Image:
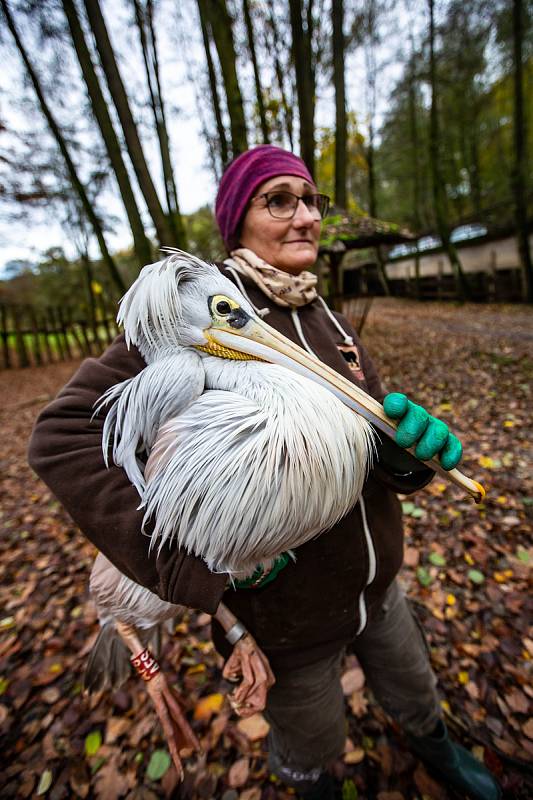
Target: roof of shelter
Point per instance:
(343, 231)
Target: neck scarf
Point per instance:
(289, 291)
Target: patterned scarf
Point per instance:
(289, 291)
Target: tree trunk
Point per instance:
(257, 79)
(141, 244)
(287, 108)
(439, 199)
(54, 128)
(305, 84)
(164, 231)
(337, 9)
(372, 207)
(221, 24)
(415, 165)
(147, 36)
(213, 86)
(371, 79)
(520, 164)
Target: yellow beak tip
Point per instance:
(481, 492)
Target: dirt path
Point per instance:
(467, 569)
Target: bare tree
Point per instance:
(305, 77)
(221, 28)
(61, 143)
(439, 196)
(371, 43)
(257, 79)
(166, 232)
(144, 18)
(337, 12)
(215, 99)
(143, 249)
(520, 140)
(277, 46)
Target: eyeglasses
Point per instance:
(283, 205)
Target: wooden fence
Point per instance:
(34, 337)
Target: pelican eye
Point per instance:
(223, 307)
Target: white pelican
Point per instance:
(250, 450)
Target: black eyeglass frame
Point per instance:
(324, 198)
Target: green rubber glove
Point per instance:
(416, 427)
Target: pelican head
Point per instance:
(184, 302)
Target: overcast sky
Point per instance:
(181, 54)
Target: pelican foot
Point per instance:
(177, 730)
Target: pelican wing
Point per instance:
(245, 473)
(140, 405)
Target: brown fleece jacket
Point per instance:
(315, 604)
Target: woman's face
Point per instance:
(288, 244)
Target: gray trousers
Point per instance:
(305, 707)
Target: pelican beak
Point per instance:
(248, 337)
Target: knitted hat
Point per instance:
(242, 178)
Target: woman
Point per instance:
(341, 589)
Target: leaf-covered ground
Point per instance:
(467, 569)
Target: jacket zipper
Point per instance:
(371, 568)
(363, 614)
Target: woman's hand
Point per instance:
(416, 427)
(248, 662)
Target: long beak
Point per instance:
(258, 340)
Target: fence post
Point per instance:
(36, 343)
(22, 352)
(64, 332)
(5, 337)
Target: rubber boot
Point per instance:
(456, 767)
(323, 789)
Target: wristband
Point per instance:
(145, 665)
(236, 633)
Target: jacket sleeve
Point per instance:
(395, 467)
(66, 452)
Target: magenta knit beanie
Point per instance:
(242, 178)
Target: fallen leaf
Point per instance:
(93, 743)
(254, 728)
(358, 703)
(51, 695)
(251, 794)
(517, 701)
(423, 576)
(427, 786)
(527, 727)
(238, 773)
(411, 557)
(159, 762)
(45, 781)
(207, 706)
(354, 756)
(352, 680)
(109, 783)
(476, 576)
(115, 728)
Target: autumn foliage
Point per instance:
(466, 570)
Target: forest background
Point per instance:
(413, 111)
(116, 121)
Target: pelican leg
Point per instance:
(166, 700)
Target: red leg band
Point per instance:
(146, 665)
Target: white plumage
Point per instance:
(235, 460)
(247, 459)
